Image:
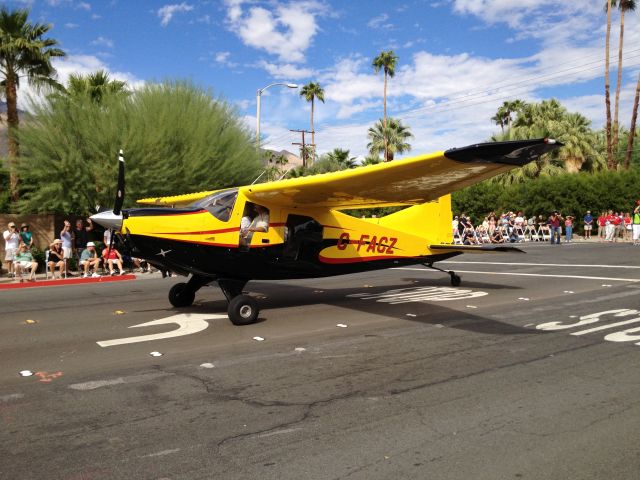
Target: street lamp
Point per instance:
(258, 95)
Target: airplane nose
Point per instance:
(108, 220)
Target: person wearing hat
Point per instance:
(11, 244)
(26, 235)
(90, 259)
(24, 260)
(56, 258)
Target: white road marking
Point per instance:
(11, 397)
(586, 319)
(605, 327)
(541, 264)
(188, 323)
(117, 381)
(419, 294)
(162, 453)
(582, 277)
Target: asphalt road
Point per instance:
(527, 370)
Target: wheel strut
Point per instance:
(455, 279)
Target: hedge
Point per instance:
(571, 194)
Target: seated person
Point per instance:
(259, 224)
(24, 260)
(110, 257)
(497, 236)
(89, 259)
(56, 258)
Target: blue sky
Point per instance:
(458, 59)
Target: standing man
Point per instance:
(80, 238)
(11, 244)
(636, 224)
(67, 241)
(26, 235)
(556, 229)
(588, 225)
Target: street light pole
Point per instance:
(258, 97)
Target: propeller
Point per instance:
(113, 219)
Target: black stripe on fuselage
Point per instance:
(263, 263)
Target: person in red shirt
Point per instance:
(611, 221)
(111, 257)
(602, 223)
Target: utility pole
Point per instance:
(303, 146)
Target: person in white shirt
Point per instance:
(65, 236)
(11, 243)
(260, 223)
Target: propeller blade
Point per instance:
(117, 207)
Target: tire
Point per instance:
(181, 295)
(455, 280)
(243, 310)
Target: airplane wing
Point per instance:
(409, 181)
(175, 200)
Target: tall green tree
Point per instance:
(624, 6)
(607, 93)
(389, 139)
(310, 92)
(176, 139)
(385, 61)
(24, 53)
(632, 128)
(94, 85)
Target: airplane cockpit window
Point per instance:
(219, 204)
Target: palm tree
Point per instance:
(632, 128)
(342, 157)
(578, 142)
(310, 92)
(607, 95)
(370, 160)
(23, 53)
(623, 6)
(95, 86)
(503, 115)
(390, 139)
(385, 61)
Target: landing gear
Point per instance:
(455, 279)
(243, 310)
(181, 295)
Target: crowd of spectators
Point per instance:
(511, 227)
(74, 250)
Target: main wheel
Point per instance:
(243, 310)
(181, 295)
(455, 280)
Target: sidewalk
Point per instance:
(7, 283)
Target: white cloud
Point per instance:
(167, 12)
(286, 71)
(284, 30)
(84, 6)
(103, 42)
(379, 21)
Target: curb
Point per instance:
(66, 281)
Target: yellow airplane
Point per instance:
(294, 228)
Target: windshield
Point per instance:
(219, 204)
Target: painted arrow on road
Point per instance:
(188, 323)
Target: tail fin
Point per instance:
(431, 220)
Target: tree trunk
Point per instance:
(384, 130)
(13, 123)
(614, 141)
(313, 130)
(607, 96)
(632, 129)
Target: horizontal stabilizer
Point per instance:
(477, 248)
